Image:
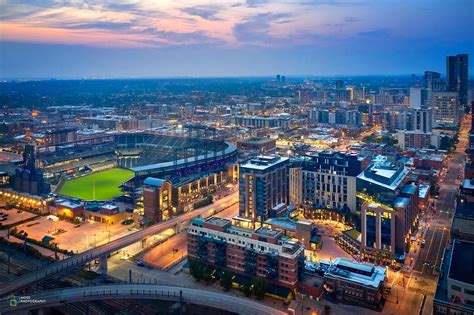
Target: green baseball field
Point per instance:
(97, 186)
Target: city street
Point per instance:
(174, 249)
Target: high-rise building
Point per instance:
(28, 178)
(418, 139)
(388, 210)
(326, 181)
(457, 75)
(263, 185)
(446, 110)
(433, 81)
(422, 120)
(418, 97)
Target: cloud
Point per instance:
(256, 3)
(375, 34)
(204, 12)
(257, 29)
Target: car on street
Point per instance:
(127, 222)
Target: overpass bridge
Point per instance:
(101, 252)
(139, 292)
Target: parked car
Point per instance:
(127, 222)
(140, 263)
(423, 243)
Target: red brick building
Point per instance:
(262, 252)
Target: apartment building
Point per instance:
(262, 252)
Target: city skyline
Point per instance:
(226, 39)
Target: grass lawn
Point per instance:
(106, 185)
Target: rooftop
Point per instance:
(69, 204)
(401, 202)
(468, 183)
(263, 162)
(363, 274)
(423, 190)
(267, 232)
(464, 210)
(284, 223)
(461, 266)
(409, 189)
(152, 181)
(257, 140)
(441, 294)
(218, 221)
(385, 174)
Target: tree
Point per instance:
(226, 280)
(247, 289)
(259, 287)
(196, 269)
(207, 274)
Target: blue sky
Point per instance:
(149, 38)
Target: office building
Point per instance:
(262, 252)
(446, 110)
(382, 180)
(455, 287)
(422, 120)
(389, 210)
(257, 145)
(27, 178)
(334, 117)
(418, 97)
(262, 121)
(433, 82)
(418, 139)
(326, 181)
(263, 185)
(385, 230)
(457, 76)
(356, 283)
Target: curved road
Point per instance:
(139, 291)
(105, 249)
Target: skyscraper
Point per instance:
(445, 109)
(263, 186)
(457, 76)
(433, 82)
(418, 97)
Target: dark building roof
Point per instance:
(462, 262)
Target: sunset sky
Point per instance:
(131, 38)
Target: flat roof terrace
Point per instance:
(462, 262)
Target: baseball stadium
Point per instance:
(100, 169)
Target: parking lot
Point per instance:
(13, 216)
(77, 238)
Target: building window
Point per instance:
(455, 287)
(467, 291)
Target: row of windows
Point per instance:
(467, 291)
